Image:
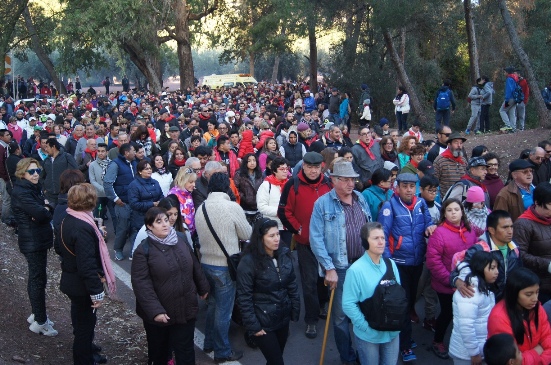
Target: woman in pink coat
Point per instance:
(452, 235)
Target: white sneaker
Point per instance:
(46, 329)
(30, 320)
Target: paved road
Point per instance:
(299, 349)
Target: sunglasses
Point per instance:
(34, 171)
(445, 134)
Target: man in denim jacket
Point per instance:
(335, 241)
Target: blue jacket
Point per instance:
(309, 104)
(118, 177)
(405, 230)
(375, 198)
(328, 230)
(510, 86)
(142, 193)
(546, 94)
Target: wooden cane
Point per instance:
(327, 321)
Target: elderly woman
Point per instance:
(33, 214)
(166, 277)
(85, 266)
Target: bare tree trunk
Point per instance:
(403, 44)
(403, 76)
(183, 45)
(471, 41)
(41, 53)
(149, 64)
(275, 70)
(543, 114)
(354, 22)
(8, 19)
(313, 57)
(251, 63)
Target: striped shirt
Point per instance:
(354, 219)
(448, 172)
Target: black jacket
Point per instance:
(11, 164)
(52, 170)
(60, 213)
(247, 190)
(80, 259)
(32, 216)
(267, 298)
(142, 193)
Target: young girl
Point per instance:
(470, 315)
(476, 210)
(521, 315)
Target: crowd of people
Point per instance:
(223, 190)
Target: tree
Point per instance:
(543, 114)
(10, 11)
(36, 45)
(471, 40)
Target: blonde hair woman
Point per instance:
(184, 184)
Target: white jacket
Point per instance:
(402, 105)
(267, 201)
(470, 319)
(164, 180)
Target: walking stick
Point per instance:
(327, 321)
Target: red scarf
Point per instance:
(411, 205)
(92, 153)
(272, 180)
(448, 154)
(367, 148)
(531, 214)
(461, 229)
(413, 163)
(179, 163)
(475, 181)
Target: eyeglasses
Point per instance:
(526, 172)
(222, 127)
(347, 180)
(34, 171)
(283, 169)
(364, 134)
(431, 191)
(547, 151)
(445, 134)
(537, 158)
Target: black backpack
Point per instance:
(386, 310)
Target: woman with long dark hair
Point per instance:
(521, 315)
(401, 103)
(388, 150)
(167, 277)
(142, 138)
(267, 291)
(247, 180)
(452, 235)
(470, 314)
(177, 160)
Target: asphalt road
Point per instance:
(299, 349)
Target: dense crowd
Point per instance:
(218, 191)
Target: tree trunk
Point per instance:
(275, 70)
(41, 53)
(471, 41)
(543, 114)
(8, 19)
(403, 44)
(354, 22)
(251, 63)
(149, 64)
(313, 57)
(183, 44)
(404, 79)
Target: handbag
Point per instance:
(233, 260)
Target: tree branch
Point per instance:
(207, 11)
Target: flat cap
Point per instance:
(520, 165)
(313, 158)
(407, 177)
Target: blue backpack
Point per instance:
(518, 95)
(443, 100)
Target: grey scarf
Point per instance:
(170, 240)
(103, 164)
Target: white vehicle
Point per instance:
(230, 80)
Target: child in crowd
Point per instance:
(384, 123)
(476, 210)
(365, 119)
(415, 131)
(501, 349)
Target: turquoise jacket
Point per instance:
(375, 197)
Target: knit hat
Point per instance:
(302, 127)
(364, 86)
(475, 194)
(383, 121)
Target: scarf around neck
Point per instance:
(448, 154)
(461, 229)
(367, 148)
(389, 156)
(87, 217)
(475, 181)
(411, 205)
(170, 240)
(179, 163)
(92, 153)
(531, 214)
(103, 164)
(273, 181)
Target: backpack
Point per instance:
(387, 308)
(443, 100)
(518, 95)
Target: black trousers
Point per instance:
(272, 345)
(308, 266)
(445, 317)
(409, 278)
(36, 284)
(162, 339)
(485, 118)
(83, 319)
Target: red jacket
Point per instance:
(499, 322)
(246, 144)
(262, 138)
(295, 209)
(234, 164)
(525, 89)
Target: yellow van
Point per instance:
(230, 80)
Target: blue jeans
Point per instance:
(378, 353)
(335, 118)
(442, 116)
(123, 215)
(220, 306)
(341, 322)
